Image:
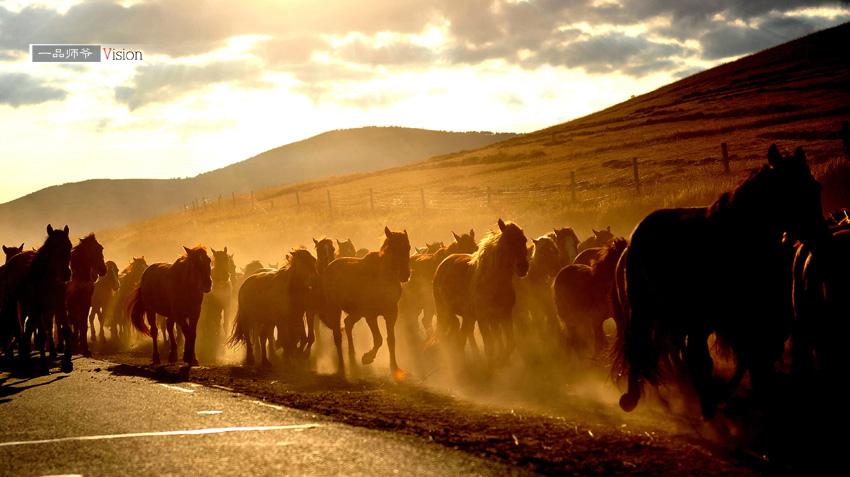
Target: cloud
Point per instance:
(164, 82)
(391, 53)
(375, 99)
(511, 100)
(20, 89)
(194, 126)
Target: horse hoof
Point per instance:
(193, 362)
(172, 358)
(398, 374)
(87, 353)
(628, 402)
(368, 358)
(67, 367)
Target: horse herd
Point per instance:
(758, 272)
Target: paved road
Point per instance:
(93, 422)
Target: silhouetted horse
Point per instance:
(274, 299)
(418, 293)
(567, 242)
(35, 285)
(479, 287)
(174, 291)
(583, 299)
(317, 302)
(117, 319)
(12, 251)
(214, 322)
(534, 310)
(598, 239)
(366, 288)
(345, 249)
(86, 261)
(690, 272)
(102, 298)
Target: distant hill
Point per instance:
(103, 203)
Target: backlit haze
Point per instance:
(222, 81)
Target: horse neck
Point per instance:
(220, 274)
(748, 222)
(492, 265)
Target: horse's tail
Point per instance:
(241, 332)
(136, 311)
(621, 313)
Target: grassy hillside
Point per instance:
(103, 203)
(796, 94)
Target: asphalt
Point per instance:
(95, 422)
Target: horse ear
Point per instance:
(799, 155)
(501, 225)
(773, 156)
(5, 249)
(472, 234)
(609, 228)
(225, 249)
(22, 245)
(66, 230)
(534, 241)
(186, 249)
(49, 229)
(456, 236)
(594, 232)
(315, 242)
(387, 231)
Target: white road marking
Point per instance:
(261, 403)
(209, 412)
(217, 430)
(178, 388)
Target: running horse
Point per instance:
(86, 264)
(34, 286)
(174, 291)
(366, 288)
(116, 317)
(325, 254)
(215, 309)
(722, 269)
(479, 288)
(276, 298)
(102, 298)
(534, 310)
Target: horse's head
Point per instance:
(514, 242)
(433, 247)
(221, 269)
(112, 275)
(88, 256)
(396, 248)
(201, 264)
(12, 251)
(346, 248)
(796, 195)
(58, 249)
(303, 266)
(546, 256)
(567, 242)
(325, 252)
(464, 243)
(603, 236)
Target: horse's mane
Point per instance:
(196, 248)
(134, 265)
(284, 270)
(486, 258)
(746, 189)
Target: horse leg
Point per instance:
(349, 322)
(265, 338)
(44, 333)
(172, 353)
(377, 340)
(487, 332)
(700, 366)
(391, 317)
(507, 326)
(62, 323)
(92, 313)
(191, 325)
(151, 316)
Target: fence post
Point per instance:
(488, 196)
(725, 151)
(205, 202)
(371, 201)
(637, 176)
(219, 200)
(422, 193)
(845, 137)
(298, 202)
(573, 185)
(233, 194)
(272, 201)
(330, 206)
(252, 201)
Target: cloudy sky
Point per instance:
(221, 81)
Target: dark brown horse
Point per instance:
(534, 310)
(368, 287)
(274, 299)
(174, 291)
(583, 299)
(116, 315)
(214, 322)
(598, 239)
(102, 298)
(35, 285)
(86, 265)
(479, 287)
(12, 251)
(688, 273)
(567, 242)
(345, 249)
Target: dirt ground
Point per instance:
(537, 418)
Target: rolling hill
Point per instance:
(103, 203)
(795, 94)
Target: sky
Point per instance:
(221, 81)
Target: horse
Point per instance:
(34, 288)
(366, 288)
(598, 239)
(534, 309)
(317, 302)
(102, 297)
(567, 242)
(688, 273)
(12, 251)
(274, 299)
(583, 299)
(174, 291)
(215, 308)
(86, 261)
(588, 256)
(129, 278)
(479, 287)
(417, 294)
